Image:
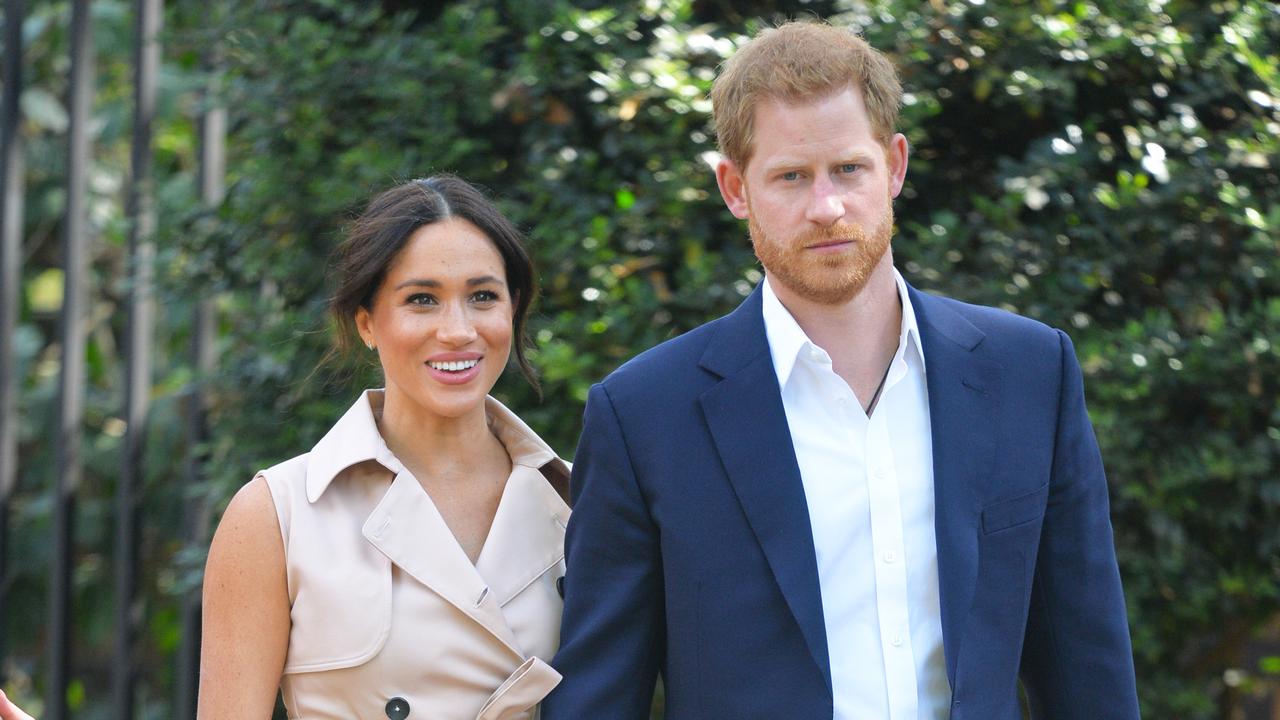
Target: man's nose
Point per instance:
(826, 206)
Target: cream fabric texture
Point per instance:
(384, 602)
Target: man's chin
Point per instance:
(831, 292)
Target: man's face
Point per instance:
(817, 194)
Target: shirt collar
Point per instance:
(909, 335)
(355, 439)
(787, 339)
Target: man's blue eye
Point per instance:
(793, 175)
(849, 168)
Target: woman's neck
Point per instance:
(431, 445)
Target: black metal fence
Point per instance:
(138, 352)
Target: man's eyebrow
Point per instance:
(787, 163)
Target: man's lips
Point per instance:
(830, 246)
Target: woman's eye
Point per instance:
(485, 296)
(421, 299)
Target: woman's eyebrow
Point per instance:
(421, 282)
(417, 282)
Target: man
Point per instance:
(847, 498)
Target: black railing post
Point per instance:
(11, 191)
(213, 131)
(141, 217)
(71, 382)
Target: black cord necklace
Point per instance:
(871, 406)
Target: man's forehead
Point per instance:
(827, 122)
(799, 100)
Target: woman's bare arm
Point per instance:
(246, 611)
(9, 711)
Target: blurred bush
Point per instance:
(1107, 167)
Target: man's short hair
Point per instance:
(800, 61)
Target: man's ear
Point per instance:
(896, 156)
(733, 188)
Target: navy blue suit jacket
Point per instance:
(690, 551)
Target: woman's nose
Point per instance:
(456, 327)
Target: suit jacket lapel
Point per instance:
(406, 527)
(964, 391)
(749, 425)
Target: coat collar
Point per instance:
(524, 541)
(355, 439)
(352, 440)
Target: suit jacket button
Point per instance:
(397, 708)
(560, 586)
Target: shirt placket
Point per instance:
(889, 549)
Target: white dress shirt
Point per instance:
(868, 483)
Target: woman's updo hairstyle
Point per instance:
(360, 262)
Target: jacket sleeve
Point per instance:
(1077, 661)
(612, 637)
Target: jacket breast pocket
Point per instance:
(1015, 511)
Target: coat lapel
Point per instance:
(406, 527)
(527, 535)
(749, 425)
(964, 391)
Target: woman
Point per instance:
(407, 566)
(9, 711)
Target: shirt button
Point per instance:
(890, 558)
(880, 473)
(397, 708)
(896, 641)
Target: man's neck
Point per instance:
(861, 336)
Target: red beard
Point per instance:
(825, 278)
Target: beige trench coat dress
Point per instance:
(390, 619)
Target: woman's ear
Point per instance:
(364, 326)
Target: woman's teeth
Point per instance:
(453, 366)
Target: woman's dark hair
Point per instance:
(360, 262)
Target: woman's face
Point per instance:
(441, 320)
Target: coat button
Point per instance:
(560, 586)
(397, 708)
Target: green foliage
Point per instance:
(1108, 167)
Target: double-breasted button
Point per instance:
(397, 708)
